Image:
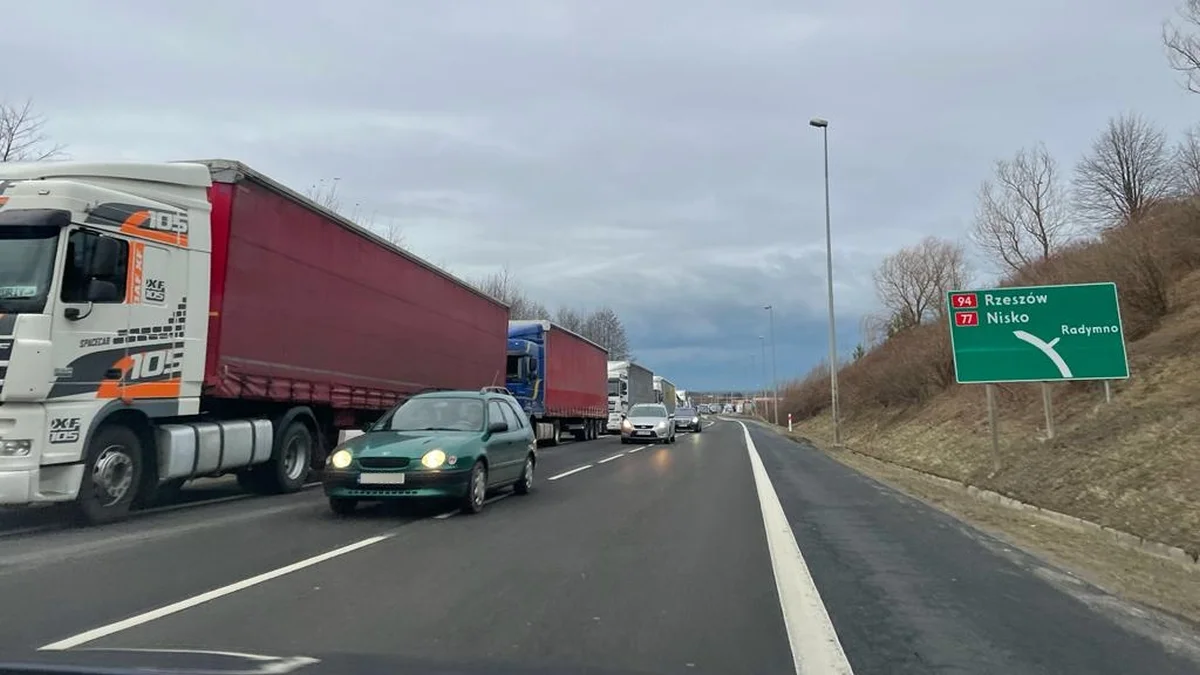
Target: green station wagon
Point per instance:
(445, 445)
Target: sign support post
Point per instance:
(989, 389)
(1107, 391)
(1048, 409)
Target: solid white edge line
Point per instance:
(568, 473)
(811, 636)
(619, 455)
(188, 603)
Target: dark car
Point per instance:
(449, 444)
(688, 419)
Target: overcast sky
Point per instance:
(652, 155)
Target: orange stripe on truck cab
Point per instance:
(133, 227)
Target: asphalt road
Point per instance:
(663, 559)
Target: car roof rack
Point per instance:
(496, 390)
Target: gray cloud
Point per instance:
(651, 156)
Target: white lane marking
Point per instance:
(448, 514)
(619, 455)
(267, 665)
(188, 603)
(641, 447)
(814, 642)
(568, 473)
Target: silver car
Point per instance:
(648, 422)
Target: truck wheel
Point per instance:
(289, 464)
(111, 474)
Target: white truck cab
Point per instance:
(104, 310)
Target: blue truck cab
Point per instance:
(525, 367)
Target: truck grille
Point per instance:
(383, 462)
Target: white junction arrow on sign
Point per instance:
(1046, 348)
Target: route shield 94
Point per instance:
(1037, 334)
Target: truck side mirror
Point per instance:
(102, 291)
(105, 258)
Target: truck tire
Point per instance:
(112, 472)
(288, 467)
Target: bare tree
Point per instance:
(389, 229)
(324, 193)
(1022, 214)
(1128, 170)
(913, 282)
(1183, 44)
(569, 318)
(605, 328)
(504, 287)
(1187, 163)
(22, 135)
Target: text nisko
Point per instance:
(1006, 317)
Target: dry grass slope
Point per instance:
(1133, 464)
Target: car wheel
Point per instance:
(525, 483)
(343, 506)
(476, 489)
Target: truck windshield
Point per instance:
(26, 267)
(614, 387)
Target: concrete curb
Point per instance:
(1123, 539)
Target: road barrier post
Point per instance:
(789, 421)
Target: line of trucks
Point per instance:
(161, 322)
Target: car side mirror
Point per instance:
(497, 427)
(102, 291)
(671, 416)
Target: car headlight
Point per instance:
(433, 459)
(626, 425)
(695, 420)
(341, 459)
(662, 425)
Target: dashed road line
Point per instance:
(208, 596)
(568, 473)
(619, 455)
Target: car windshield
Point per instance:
(440, 413)
(648, 410)
(26, 267)
(685, 412)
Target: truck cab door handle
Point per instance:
(112, 374)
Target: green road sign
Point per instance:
(1037, 334)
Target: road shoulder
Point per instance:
(1136, 576)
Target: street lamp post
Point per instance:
(823, 125)
(774, 365)
(762, 342)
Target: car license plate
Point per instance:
(381, 479)
(643, 433)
